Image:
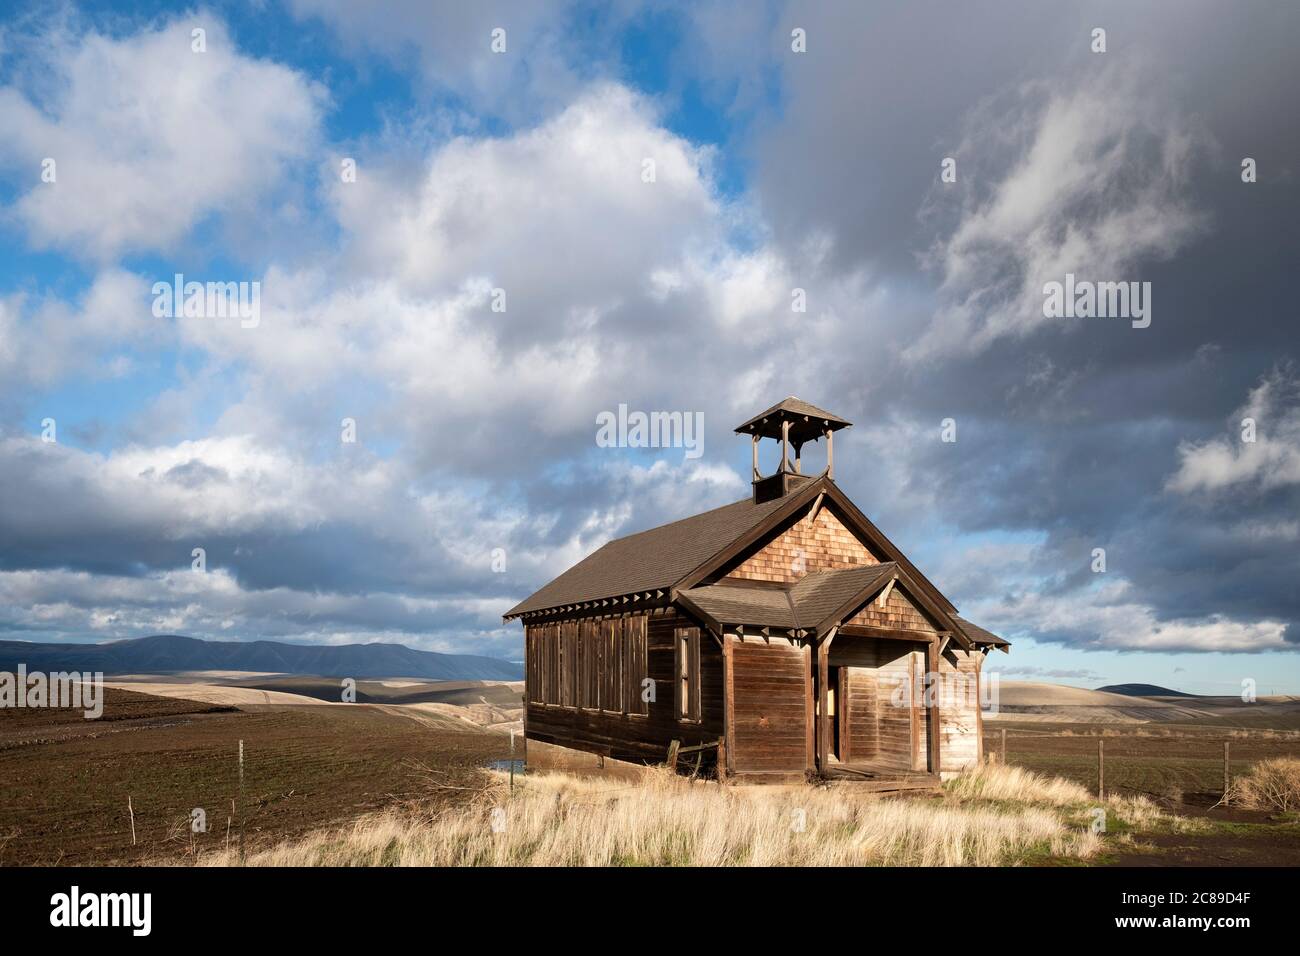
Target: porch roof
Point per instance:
(977, 634)
(815, 602)
(806, 604)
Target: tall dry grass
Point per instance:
(561, 820)
(995, 781)
(1270, 785)
(1001, 783)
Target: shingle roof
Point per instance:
(654, 559)
(681, 553)
(768, 423)
(762, 607)
(813, 598)
(822, 593)
(977, 635)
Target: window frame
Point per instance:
(687, 707)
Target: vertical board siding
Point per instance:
(634, 636)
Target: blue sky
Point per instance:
(523, 172)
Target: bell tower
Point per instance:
(791, 422)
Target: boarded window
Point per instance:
(589, 690)
(611, 684)
(687, 658)
(592, 664)
(532, 663)
(569, 664)
(551, 662)
(634, 664)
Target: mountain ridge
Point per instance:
(162, 653)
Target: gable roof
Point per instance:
(821, 594)
(680, 555)
(807, 604)
(819, 601)
(854, 520)
(655, 559)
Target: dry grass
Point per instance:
(993, 781)
(561, 820)
(1270, 785)
(1000, 783)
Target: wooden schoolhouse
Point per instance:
(779, 637)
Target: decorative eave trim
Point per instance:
(617, 604)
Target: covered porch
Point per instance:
(874, 722)
(844, 676)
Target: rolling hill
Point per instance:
(167, 653)
(1142, 690)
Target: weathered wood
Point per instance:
(810, 709)
(673, 749)
(632, 736)
(698, 748)
(1101, 769)
(932, 706)
(823, 719)
(885, 633)
(821, 542)
(768, 729)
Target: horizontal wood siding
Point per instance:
(771, 688)
(630, 736)
(959, 717)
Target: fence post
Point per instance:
(1003, 759)
(1226, 778)
(1101, 769)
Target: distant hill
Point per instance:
(170, 652)
(1142, 690)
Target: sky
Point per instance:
(472, 229)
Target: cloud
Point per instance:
(1054, 673)
(213, 604)
(1092, 188)
(45, 339)
(1268, 462)
(541, 67)
(1112, 617)
(149, 138)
